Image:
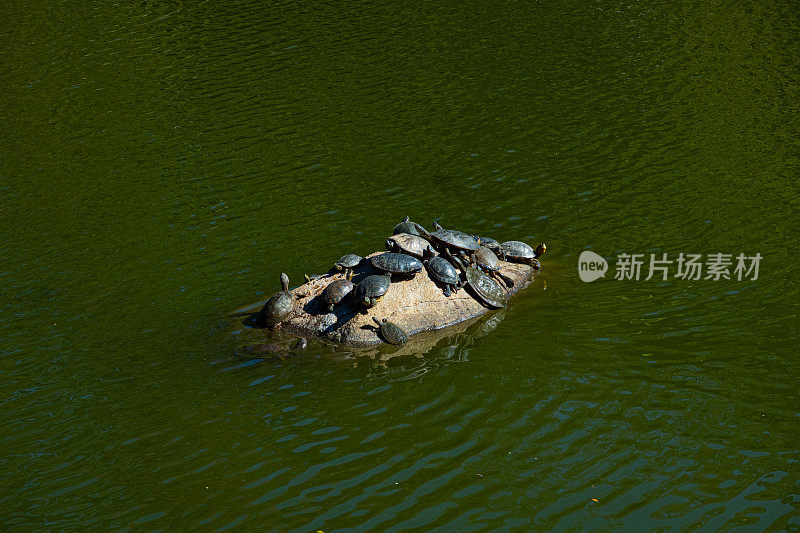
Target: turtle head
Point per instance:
(284, 281)
(407, 219)
(437, 226)
(377, 321)
(390, 244)
(540, 250)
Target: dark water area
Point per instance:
(160, 165)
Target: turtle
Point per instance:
(488, 242)
(487, 290)
(454, 240)
(391, 332)
(371, 289)
(520, 252)
(396, 263)
(486, 260)
(347, 263)
(273, 349)
(406, 226)
(335, 292)
(440, 269)
(410, 244)
(278, 307)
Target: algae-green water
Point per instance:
(162, 163)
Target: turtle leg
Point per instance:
(447, 291)
(348, 274)
(508, 281)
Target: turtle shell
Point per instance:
(442, 271)
(409, 244)
(337, 290)
(275, 310)
(485, 258)
(454, 239)
(373, 286)
(396, 263)
(488, 242)
(517, 251)
(488, 290)
(349, 261)
(391, 332)
(406, 226)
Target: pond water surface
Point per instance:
(161, 165)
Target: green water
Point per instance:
(160, 165)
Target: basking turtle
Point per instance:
(456, 241)
(348, 263)
(397, 263)
(335, 292)
(410, 244)
(371, 289)
(488, 242)
(391, 332)
(412, 228)
(440, 269)
(486, 260)
(519, 252)
(486, 289)
(278, 307)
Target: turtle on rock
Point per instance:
(277, 308)
(440, 270)
(412, 228)
(372, 289)
(520, 252)
(391, 332)
(395, 263)
(347, 263)
(335, 293)
(410, 244)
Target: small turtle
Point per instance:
(335, 292)
(454, 240)
(486, 260)
(488, 242)
(520, 252)
(410, 244)
(348, 263)
(486, 289)
(391, 332)
(412, 228)
(371, 289)
(274, 349)
(397, 263)
(278, 307)
(440, 269)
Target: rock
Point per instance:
(417, 304)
